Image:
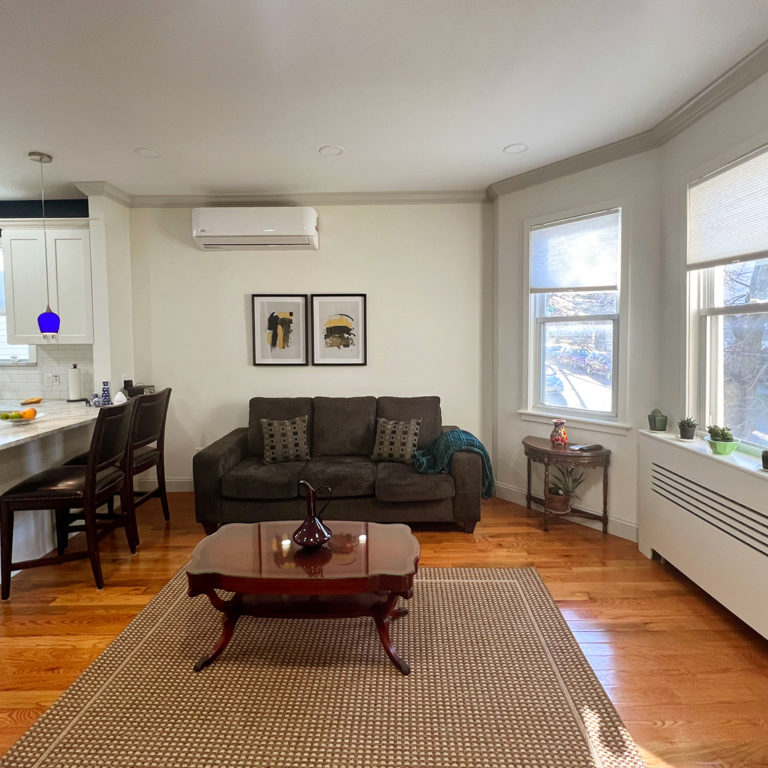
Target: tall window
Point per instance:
(728, 263)
(10, 353)
(574, 297)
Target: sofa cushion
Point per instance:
(285, 440)
(395, 440)
(401, 482)
(276, 408)
(406, 408)
(344, 475)
(343, 426)
(253, 479)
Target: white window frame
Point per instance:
(534, 380)
(705, 347)
(701, 297)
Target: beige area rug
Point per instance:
(498, 681)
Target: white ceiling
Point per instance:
(423, 94)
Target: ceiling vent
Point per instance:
(255, 229)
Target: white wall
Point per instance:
(112, 292)
(633, 182)
(426, 270)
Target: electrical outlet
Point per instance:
(56, 378)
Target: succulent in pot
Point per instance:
(563, 485)
(687, 426)
(721, 440)
(657, 421)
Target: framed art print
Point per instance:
(279, 329)
(339, 335)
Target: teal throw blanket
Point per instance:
(437, 455)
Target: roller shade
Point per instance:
(578, 254)
(728, 213)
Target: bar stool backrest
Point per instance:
(149, 424)
(109, 444)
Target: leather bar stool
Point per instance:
(146, 447)
(74, 492)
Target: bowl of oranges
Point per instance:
(18, 418)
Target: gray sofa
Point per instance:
(234, 484)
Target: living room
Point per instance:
(445, 275)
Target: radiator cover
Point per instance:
(709, 519)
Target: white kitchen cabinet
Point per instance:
(69, 275)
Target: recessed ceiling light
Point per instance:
(331, 150)
(152, 154)
(515, 149)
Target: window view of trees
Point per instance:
(745, 350)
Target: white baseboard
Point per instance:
(510, 493)
(624, 529)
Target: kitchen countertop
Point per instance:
(58, 415)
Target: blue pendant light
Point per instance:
(48, 322)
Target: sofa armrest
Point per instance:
(467, 472)
(209, 466)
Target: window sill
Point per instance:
(19, 364)
(591, 425)
(748, 461)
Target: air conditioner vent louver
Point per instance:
(743, 523)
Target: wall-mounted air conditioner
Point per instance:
(253, 229)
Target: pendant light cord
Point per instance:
(45, 241)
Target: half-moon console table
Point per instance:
(539, 449)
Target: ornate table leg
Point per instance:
(231, 610)
(528, 491)
(383, 616)
(545, 513)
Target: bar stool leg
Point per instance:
(129, 511)
(62, 530)
(92, 539)
(6, 545)
(161, 488)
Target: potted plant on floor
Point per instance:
(721, 441)
(562, 488)
(687, 426)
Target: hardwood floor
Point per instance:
(689, 680)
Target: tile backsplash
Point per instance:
(17, 382)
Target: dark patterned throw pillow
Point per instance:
(285, 440)
(396, 440)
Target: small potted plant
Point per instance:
(687, 426)
(562, 488)
(721, 441)
(657, 421)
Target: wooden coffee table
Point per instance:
(361, 571)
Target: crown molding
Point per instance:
(104, 189)
(607, 153)
(319, 198)
(753, 66)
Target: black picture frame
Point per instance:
(269, 328)
(347, 342)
